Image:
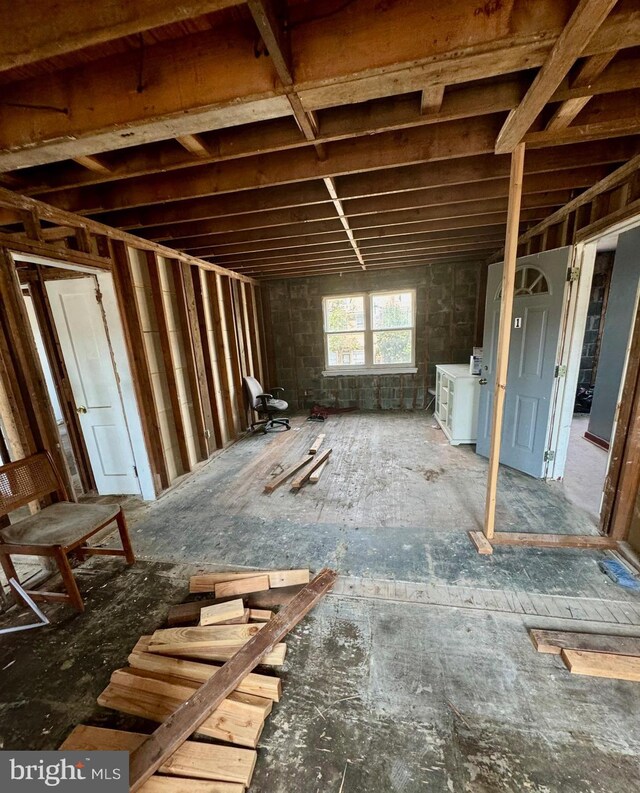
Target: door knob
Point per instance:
(81, 409)
(483, 381)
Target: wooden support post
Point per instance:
(252, 297)
(234, 349)
(504, 334)
(238, 352)
(167, 356)
(134, 339)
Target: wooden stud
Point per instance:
(235, 349)
(531, 540)
(210, 615)
(617, 667)
(317, 443)
(260, 615)
(315, 476)
(273, 484)
(153, 270)
(504, 335)
(141, 377)
(242, 586)
(222, 352)
(483, 546)
(147, 759)
(318, 460)
(549, 641)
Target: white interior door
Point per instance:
(89, 360)
(541, 280)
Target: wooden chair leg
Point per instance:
(75, 598)
(124, 537)
(10, 572)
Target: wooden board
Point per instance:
(207, 636)
(166, 784)
(275, 483)
(208, 651)
(232, 721)
(211, 615)
(318, 460)
(552, 540)
(191, 759)
(260, 615)
(618, 667)
(317, 443)
(267, 686)
(243, 585)
(555, 641)
(146, 760)
(481, 542)
(185, 613)
(282, 578)
(205, 582)
(315, 476)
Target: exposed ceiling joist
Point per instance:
(580, 28)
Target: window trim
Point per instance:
(369, 367)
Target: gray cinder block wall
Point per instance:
(445, 323)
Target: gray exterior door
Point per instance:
(537, 316)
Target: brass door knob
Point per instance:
(81, 409)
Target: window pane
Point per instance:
(392, 311)
(346, 349)
(344, 313)
(392, 346)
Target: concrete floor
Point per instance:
(585, 469)
(417, 672)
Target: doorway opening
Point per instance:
(79, 338)
(597, 339)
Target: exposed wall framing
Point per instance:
(192, 332)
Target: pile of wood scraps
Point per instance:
(198, 681)
(593, 654)
(309, 468)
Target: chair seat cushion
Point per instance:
(60, 524)
(277, 404)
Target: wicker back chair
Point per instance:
(58, 530)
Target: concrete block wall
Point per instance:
(445, 325)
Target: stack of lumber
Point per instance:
(179, 677)
(593, 654)
(308, 469)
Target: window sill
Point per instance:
(358, 370)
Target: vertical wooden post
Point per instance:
(504, 333)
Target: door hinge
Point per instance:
(98, 295)
(549, 456)
(135, 470)
(573, 274)
(561, 371)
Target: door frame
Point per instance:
(115, 335)
(570, 355)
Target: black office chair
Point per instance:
(265, 404)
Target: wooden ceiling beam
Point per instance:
(331, 188)
(222, 83)
(376, 220)
(93, 164)
(195, 146)
(589, 71)
(49, 28)
(334, 124)
(581, 27)
(419, 144)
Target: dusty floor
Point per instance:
(417, 673)
(585, 470)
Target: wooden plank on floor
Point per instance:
(481, 542)
(146, 760)
(552, 540)
(273, 484)
(242, 586)
(317, 443)
(186, 613)
(193, 759)
(546, 641)
(232, 721)
(213, 635)
(165, 784)
(318, 459)
(267, 686)
(232, 609)
(282, 578)
(617, 667)
(260, 615)
(315, 476)
(210, 651)
(206, 582)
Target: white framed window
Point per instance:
(370, 332)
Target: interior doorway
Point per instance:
(79, 338)
(597, 341)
